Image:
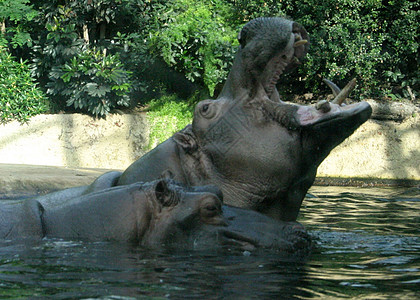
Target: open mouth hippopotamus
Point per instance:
(263, 153)
(154, 214)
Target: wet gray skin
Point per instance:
(155, 214)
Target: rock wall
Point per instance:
(377, 150)
(75, 140)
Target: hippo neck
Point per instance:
(240, 194)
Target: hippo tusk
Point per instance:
(300, 43)
(345, 92)
(334, 88)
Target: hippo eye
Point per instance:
(210, 210)
(207, 110)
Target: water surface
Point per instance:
(367, 246)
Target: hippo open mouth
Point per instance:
(288, 58)
(268, 48)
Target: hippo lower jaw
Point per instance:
(286, 237)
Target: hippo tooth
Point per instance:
(300, 43)
(323, 106)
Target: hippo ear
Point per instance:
(186, 139)
(164, 194)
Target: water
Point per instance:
(367, 246)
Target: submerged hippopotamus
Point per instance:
(263, 153)
(154, 214)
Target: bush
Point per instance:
(95, 82)
(20, 98)
(166, 116)
(375, 42)
(196, 40)
(363, 39)
(85, 78)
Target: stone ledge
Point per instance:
(365, 182)
(29, 180)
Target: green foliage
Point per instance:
(369, 40)
(16, 13)
(20, 98)
(150, 45)
(95, 82)
(78, 75)
(196, 40)
(166, 116)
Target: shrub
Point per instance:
(196, 40)
(374, 41)
(95, 82)
(20, 98)
(166, 116)
(85, 78)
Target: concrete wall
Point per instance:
(385, 150)
(378, 149)
(75, 140)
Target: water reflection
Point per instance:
(367, 246)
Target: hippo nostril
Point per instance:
(211, 208)
(323, 105)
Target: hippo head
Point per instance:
(194, 218)
(178, 212)
(262, 152)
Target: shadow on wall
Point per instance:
(404, 162)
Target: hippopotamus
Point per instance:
(263, 153)
(153, 214)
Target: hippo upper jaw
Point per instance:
(308, 116)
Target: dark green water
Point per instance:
(367, 246)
